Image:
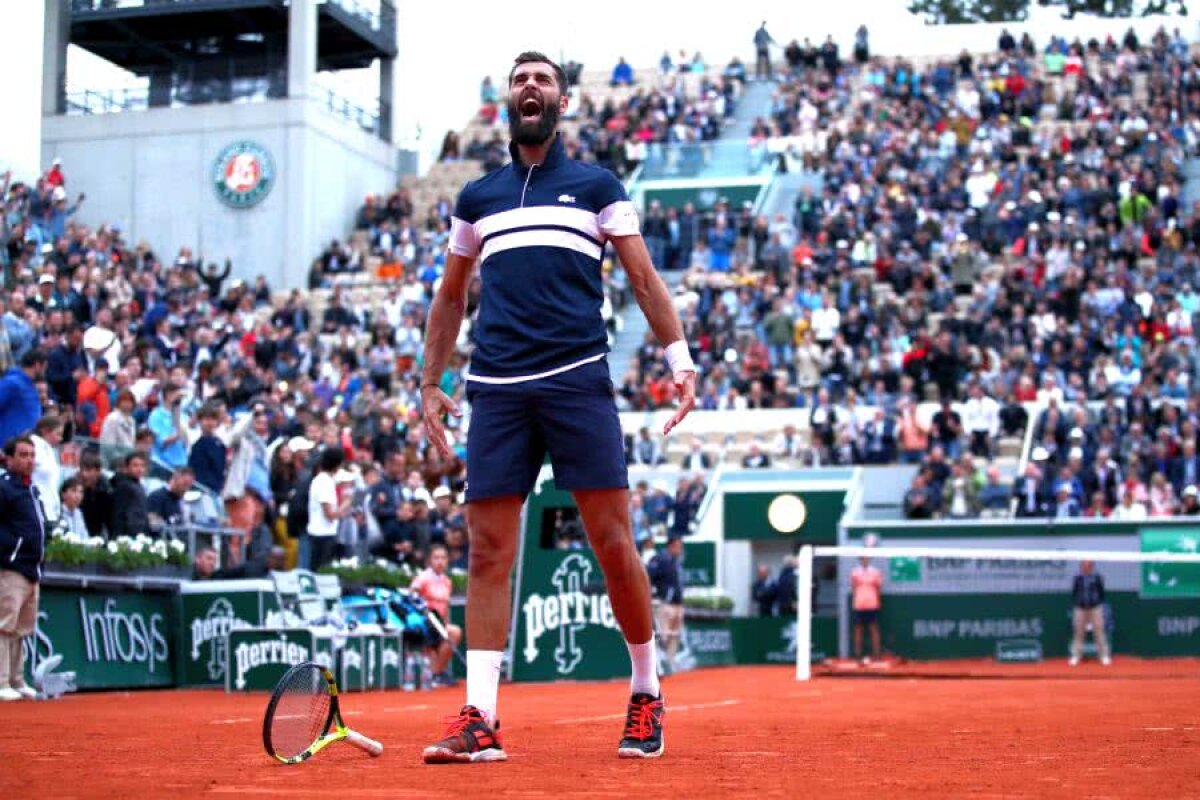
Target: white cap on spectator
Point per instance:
(59, 193)
(1053, 216)
(47, 248)
(1081, 245)
(1075, 452)
(422, 496)
(298, 444)
(45, 279)
(1191, 490)
(441, 491)
(1076, 433)
(1040, 453)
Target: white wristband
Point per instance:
(679, 358)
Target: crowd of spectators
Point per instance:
(159, 392)
(985, 233)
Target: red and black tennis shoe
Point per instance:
(468, 739)
(643, 736)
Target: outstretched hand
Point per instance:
(434, 405)
(685, 388)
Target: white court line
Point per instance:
(1158, 729)
(234, 721)
(671, 709)
(399, 709)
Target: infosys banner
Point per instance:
(110, 640)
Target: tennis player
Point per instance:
(538, 383)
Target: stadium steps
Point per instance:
(755, 102)
(633, 332)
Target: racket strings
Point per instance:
(301, 713)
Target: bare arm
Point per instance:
(655, 301)
(441, 331)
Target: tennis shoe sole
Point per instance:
(633, 752)
(442, 755)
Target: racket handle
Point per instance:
(362, 742)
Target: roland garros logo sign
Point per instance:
(243, 174)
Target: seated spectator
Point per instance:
(994, 496)
(1129, 509)
(918, 500)
(960, 498)
(1064, 505)
(97, 502)
(1099, 507)
(756, 457)
(697, 457)
(1162, 496)
(787, 443)
(1191, 502)
(434, 586)
(646, 449)
(1030, 491)
(71, 519)
(622, 74)
(130, 509)
(165, 505)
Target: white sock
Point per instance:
(483, 680)
(644, 658)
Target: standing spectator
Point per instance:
(948, 428)
(130, 508)
(22, 546)
(763, 591)
(324, 509)
(247, 490)
(97, 504)
(785, 588)
(762, 52)
(622, 74)
(71, 519)
(862, 48)
(20, 403)
(866, 586)
(47, 472)
(1087, 593)
(913, 434)
(666, 579)
(170, 441)
(208, 456)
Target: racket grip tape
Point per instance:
(362, 742)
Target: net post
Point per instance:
(804, 578)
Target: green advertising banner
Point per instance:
(109, 639)
(258, 657)
(703, 196)
(699, 563)
(811, 516)
(208, 611)
(706, 643)
(772, 640)
(1171, 580)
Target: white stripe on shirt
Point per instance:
(540, 238)
(578, 219)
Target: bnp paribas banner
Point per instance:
(110, 640)
(956, 608)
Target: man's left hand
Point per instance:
(685, 387)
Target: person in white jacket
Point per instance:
(981, 421)
(47, 472)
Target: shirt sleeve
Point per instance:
(617, 215)
(464, 240)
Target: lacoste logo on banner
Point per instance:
(566, 198)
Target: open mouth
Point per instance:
(531, 108)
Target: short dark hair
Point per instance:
(90, 459)
(70, 483)
(534, 57)
(332, 458)
(32, 358)
(10, 447)
(136, 455)
(47, 423)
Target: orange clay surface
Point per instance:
(1131, 730)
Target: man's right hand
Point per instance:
(434, 405)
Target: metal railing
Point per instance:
(715, 159)
(369, 120)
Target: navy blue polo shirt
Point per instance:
(539, 233)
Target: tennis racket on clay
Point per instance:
(303, 710)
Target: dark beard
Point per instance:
(535, 132)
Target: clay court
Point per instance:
(1132, 730)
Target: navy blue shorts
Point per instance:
(571, 415)
(866, 617)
